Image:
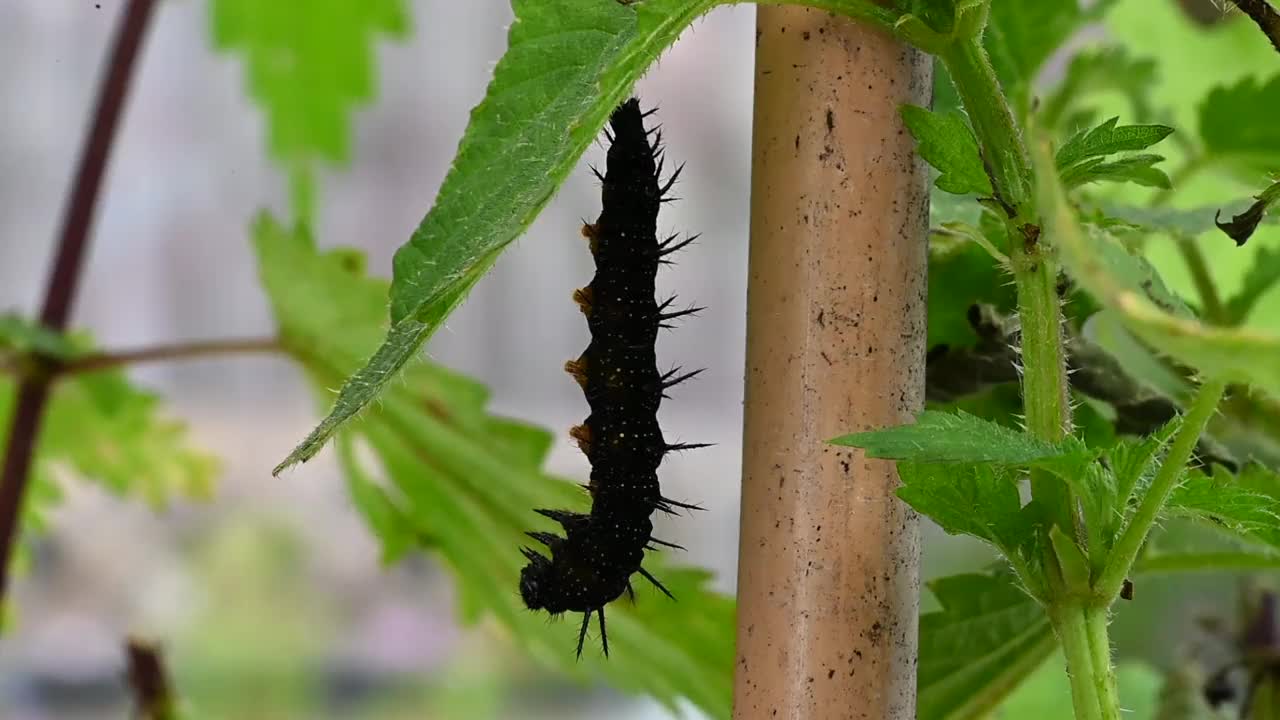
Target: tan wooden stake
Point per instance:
(828, 581)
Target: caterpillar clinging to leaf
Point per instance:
(592, 564)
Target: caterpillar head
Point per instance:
(535, 579)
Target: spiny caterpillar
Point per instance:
(618, 372)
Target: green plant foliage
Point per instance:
(1229, 505)
(1238, 126)
(942, 437)
(1116, 279)
(1107, 139)
(1021, 36)
(568, 64)
(1083, 158)
(977, 500)
(20, 337)
(945, 141)
(989, 636)
(1100, 70)
(452, 476)
(109, 431)
(308, 69)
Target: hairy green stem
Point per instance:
(1073, 632)
(1104, 677)
(1126, 549)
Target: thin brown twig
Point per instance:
(1266, 17)
(33, 391)
(175, 351)
(148, 680)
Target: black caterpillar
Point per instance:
(593, 564)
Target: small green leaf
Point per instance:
(1107, 139)
(942, 437)
(1133, 461)
(1238, 126)
(1116, 280)
(446, 473)
(946, 142)
(1071, 560)
(989, 636)
(1138, 169)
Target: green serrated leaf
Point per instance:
(946, 142)
(1108, 139)
(1138, 169)
(1116, 280)
(989, 636)
(308, 68)
(1228, 505)
(1021, 36)
(943, 437)
(453, 476)
(1238, 126)
(568, 64)
(981, 501)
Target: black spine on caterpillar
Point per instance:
(592, 565)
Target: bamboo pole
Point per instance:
(828, 582)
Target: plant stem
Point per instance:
(1122, 557)
(1104, 678)
(1044, 383)
(64, 279)
(176, 351)
(1073, 632)
(1214, 313)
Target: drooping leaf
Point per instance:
(442, 471)
(946, 142)
(568, 64)
(1242, 226)
(989, 636)
(942, 437)
(1117, 280)
(1238, 126)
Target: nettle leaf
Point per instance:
(1238, 126)
(946, 142)
(989, 636)
(441, 470)
(1185, 222)
(1082, 158)
(1100, 70)
(943, 437)
(1229, 505)
(1138, 169)
(1263, 275)
(308, 69)
(1119, 281)
(977, 500)
(1108, 139)
(568, 64)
